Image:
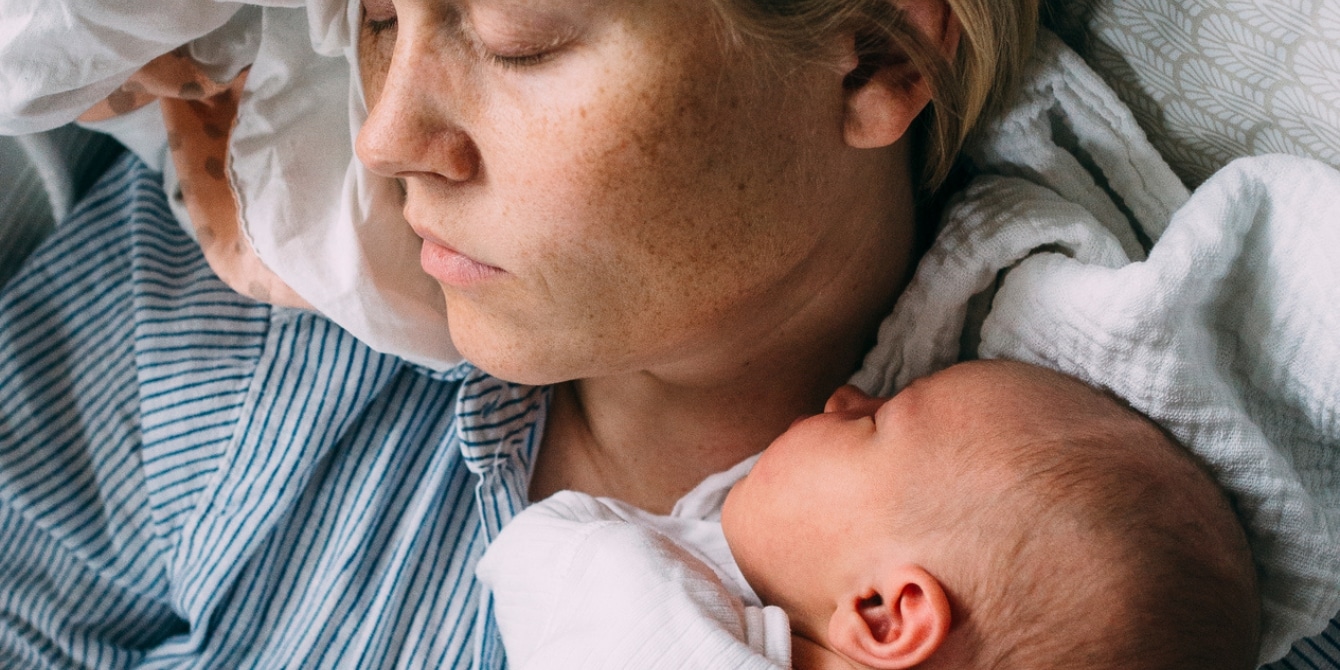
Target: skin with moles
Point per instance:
(198, 115)
(684, 230)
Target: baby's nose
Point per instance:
(848, 398)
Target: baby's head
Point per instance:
(995, 515)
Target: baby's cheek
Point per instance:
(745, 529)
(728, 510)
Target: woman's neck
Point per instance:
(650, 436)
(648, 442)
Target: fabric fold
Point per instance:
(1224, 333)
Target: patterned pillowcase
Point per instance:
(1213, 80)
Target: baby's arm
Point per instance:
(198, 132)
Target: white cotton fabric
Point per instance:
(332, 230)
(1227, 334)
(593, 583)
(326, 226)
(61, 57)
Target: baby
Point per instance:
(993, 515)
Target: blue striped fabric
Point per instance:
(1320, 652)
(192, 479)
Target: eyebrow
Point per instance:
(527, 15)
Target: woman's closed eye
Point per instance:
(518, 39)
(519, 61)
(379, 15)
(377, 27)
(505, 34)
(519, 52)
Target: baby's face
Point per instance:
(826, 489)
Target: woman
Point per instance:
(687, 217)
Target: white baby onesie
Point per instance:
(584, 582)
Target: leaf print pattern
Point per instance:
(1214, 80)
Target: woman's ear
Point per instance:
(898, 621)
(885, 89)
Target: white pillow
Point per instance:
(1214, 80)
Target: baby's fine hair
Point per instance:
(996, 41)
(1125, 553)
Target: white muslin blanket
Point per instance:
(583, 583)
(1227, 333)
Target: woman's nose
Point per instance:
(411, 130)
(851, 399)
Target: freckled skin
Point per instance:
(656, 200)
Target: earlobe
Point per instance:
(885, 87)
(896, 623)
(880, 110)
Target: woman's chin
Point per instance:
(524, 358)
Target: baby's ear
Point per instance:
(897, 621)
(885, 90)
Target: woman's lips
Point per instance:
(453, 268)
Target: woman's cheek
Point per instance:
(374, 60)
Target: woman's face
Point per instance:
(605, 186)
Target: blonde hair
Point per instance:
(996, 41)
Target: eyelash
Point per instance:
(379, 26)
(518, 61)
